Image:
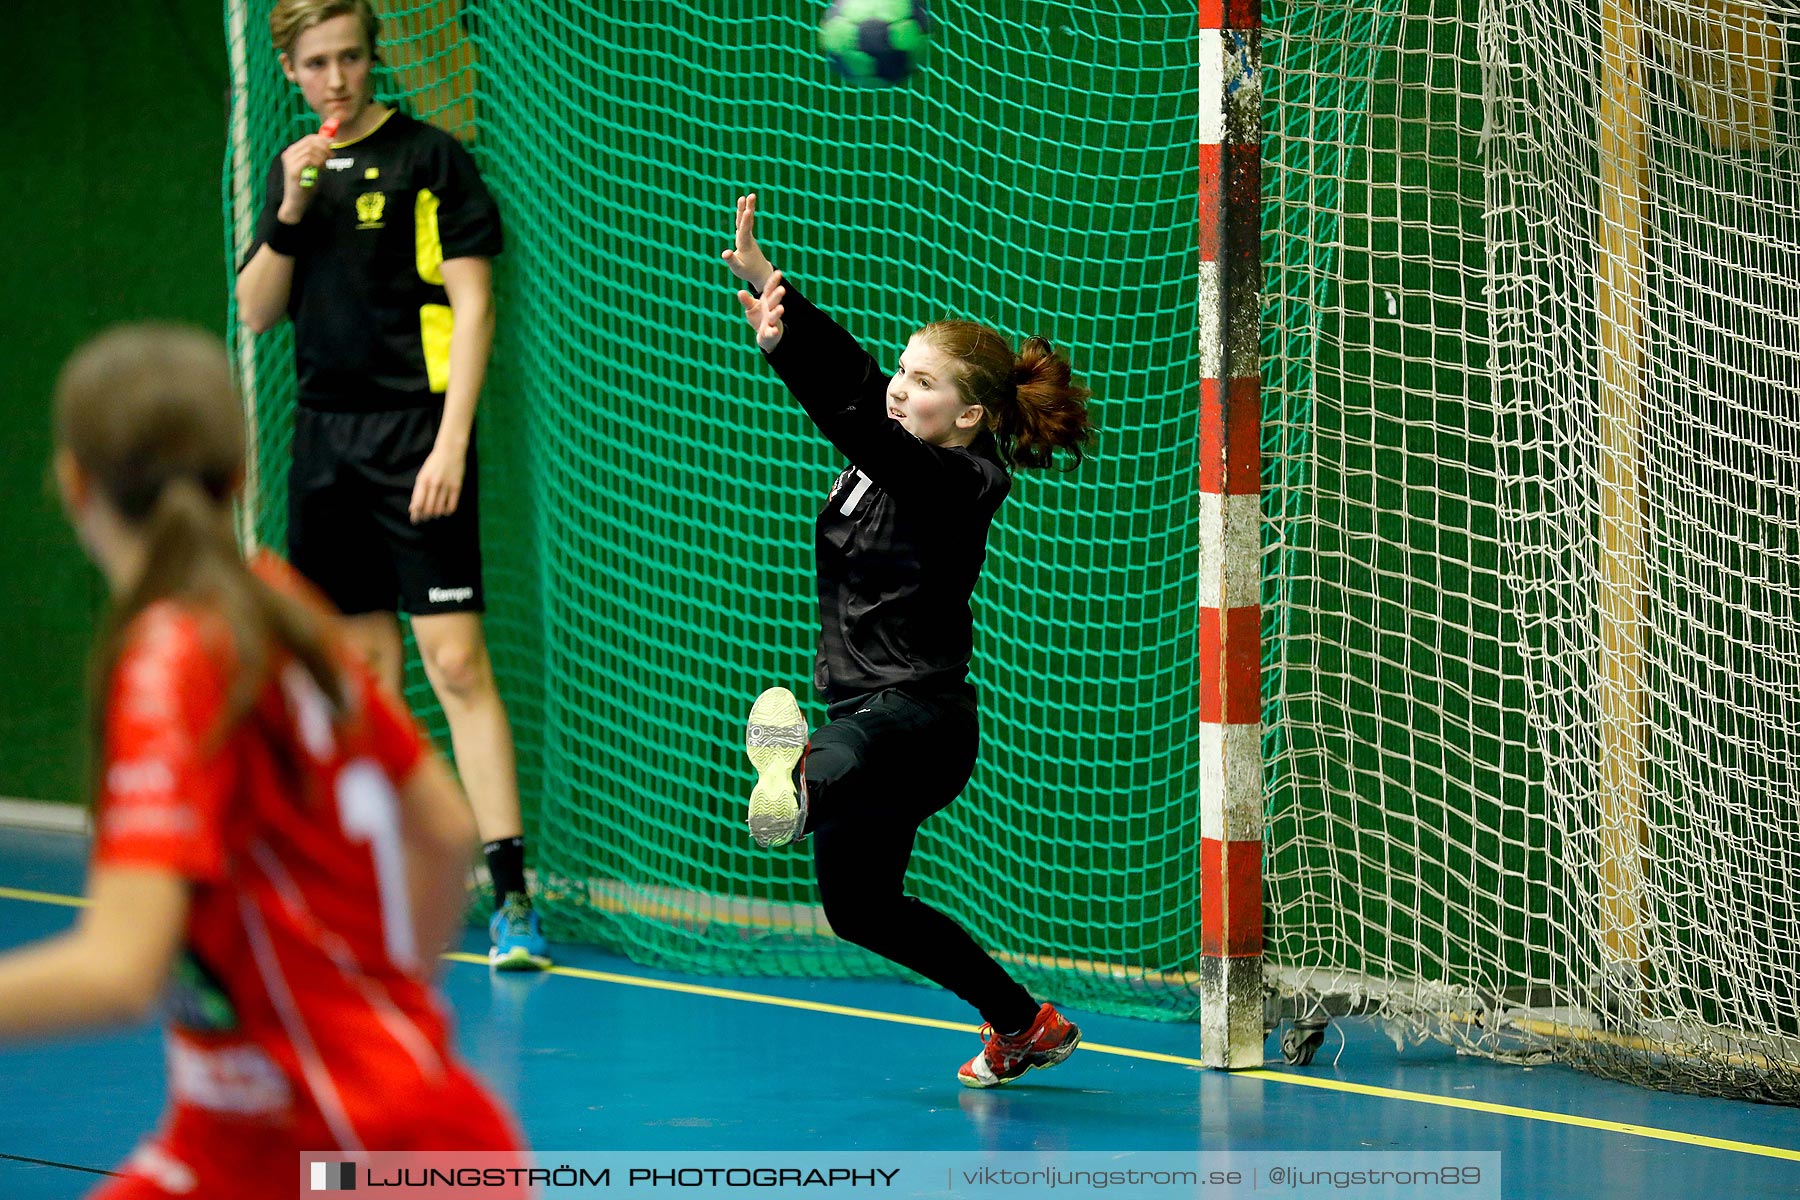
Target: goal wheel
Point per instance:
(1302, 1040)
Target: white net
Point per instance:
(1532, 678)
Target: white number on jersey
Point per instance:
(368, 812)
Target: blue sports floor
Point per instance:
(607, 1055)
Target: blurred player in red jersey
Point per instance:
(275, 847)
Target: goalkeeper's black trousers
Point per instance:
(882, 765)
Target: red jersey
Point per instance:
(301, 1014)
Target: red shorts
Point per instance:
(198, 1155)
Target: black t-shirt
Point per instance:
(371, 317)
(903, 534)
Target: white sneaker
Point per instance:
(775, 738)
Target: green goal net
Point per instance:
(648, 488)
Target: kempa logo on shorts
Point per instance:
(333, 1177)
(449, 595)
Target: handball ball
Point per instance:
(874, 43)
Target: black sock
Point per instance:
(1006, 1030)
(506, 866)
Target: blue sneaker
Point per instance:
(518, 942)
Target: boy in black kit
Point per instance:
(377, 242)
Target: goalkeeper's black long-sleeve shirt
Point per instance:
(902, 536)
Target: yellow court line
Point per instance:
(1504, 1110)
(1530, 1114)
(7, 893)
(1333, 1085)
(836, 1010)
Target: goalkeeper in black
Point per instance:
(900, 543)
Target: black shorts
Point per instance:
(348, 530)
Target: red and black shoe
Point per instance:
(1049, 1039)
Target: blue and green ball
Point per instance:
(874, 43)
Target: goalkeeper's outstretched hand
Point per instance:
(764, 312)
(745, 258)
